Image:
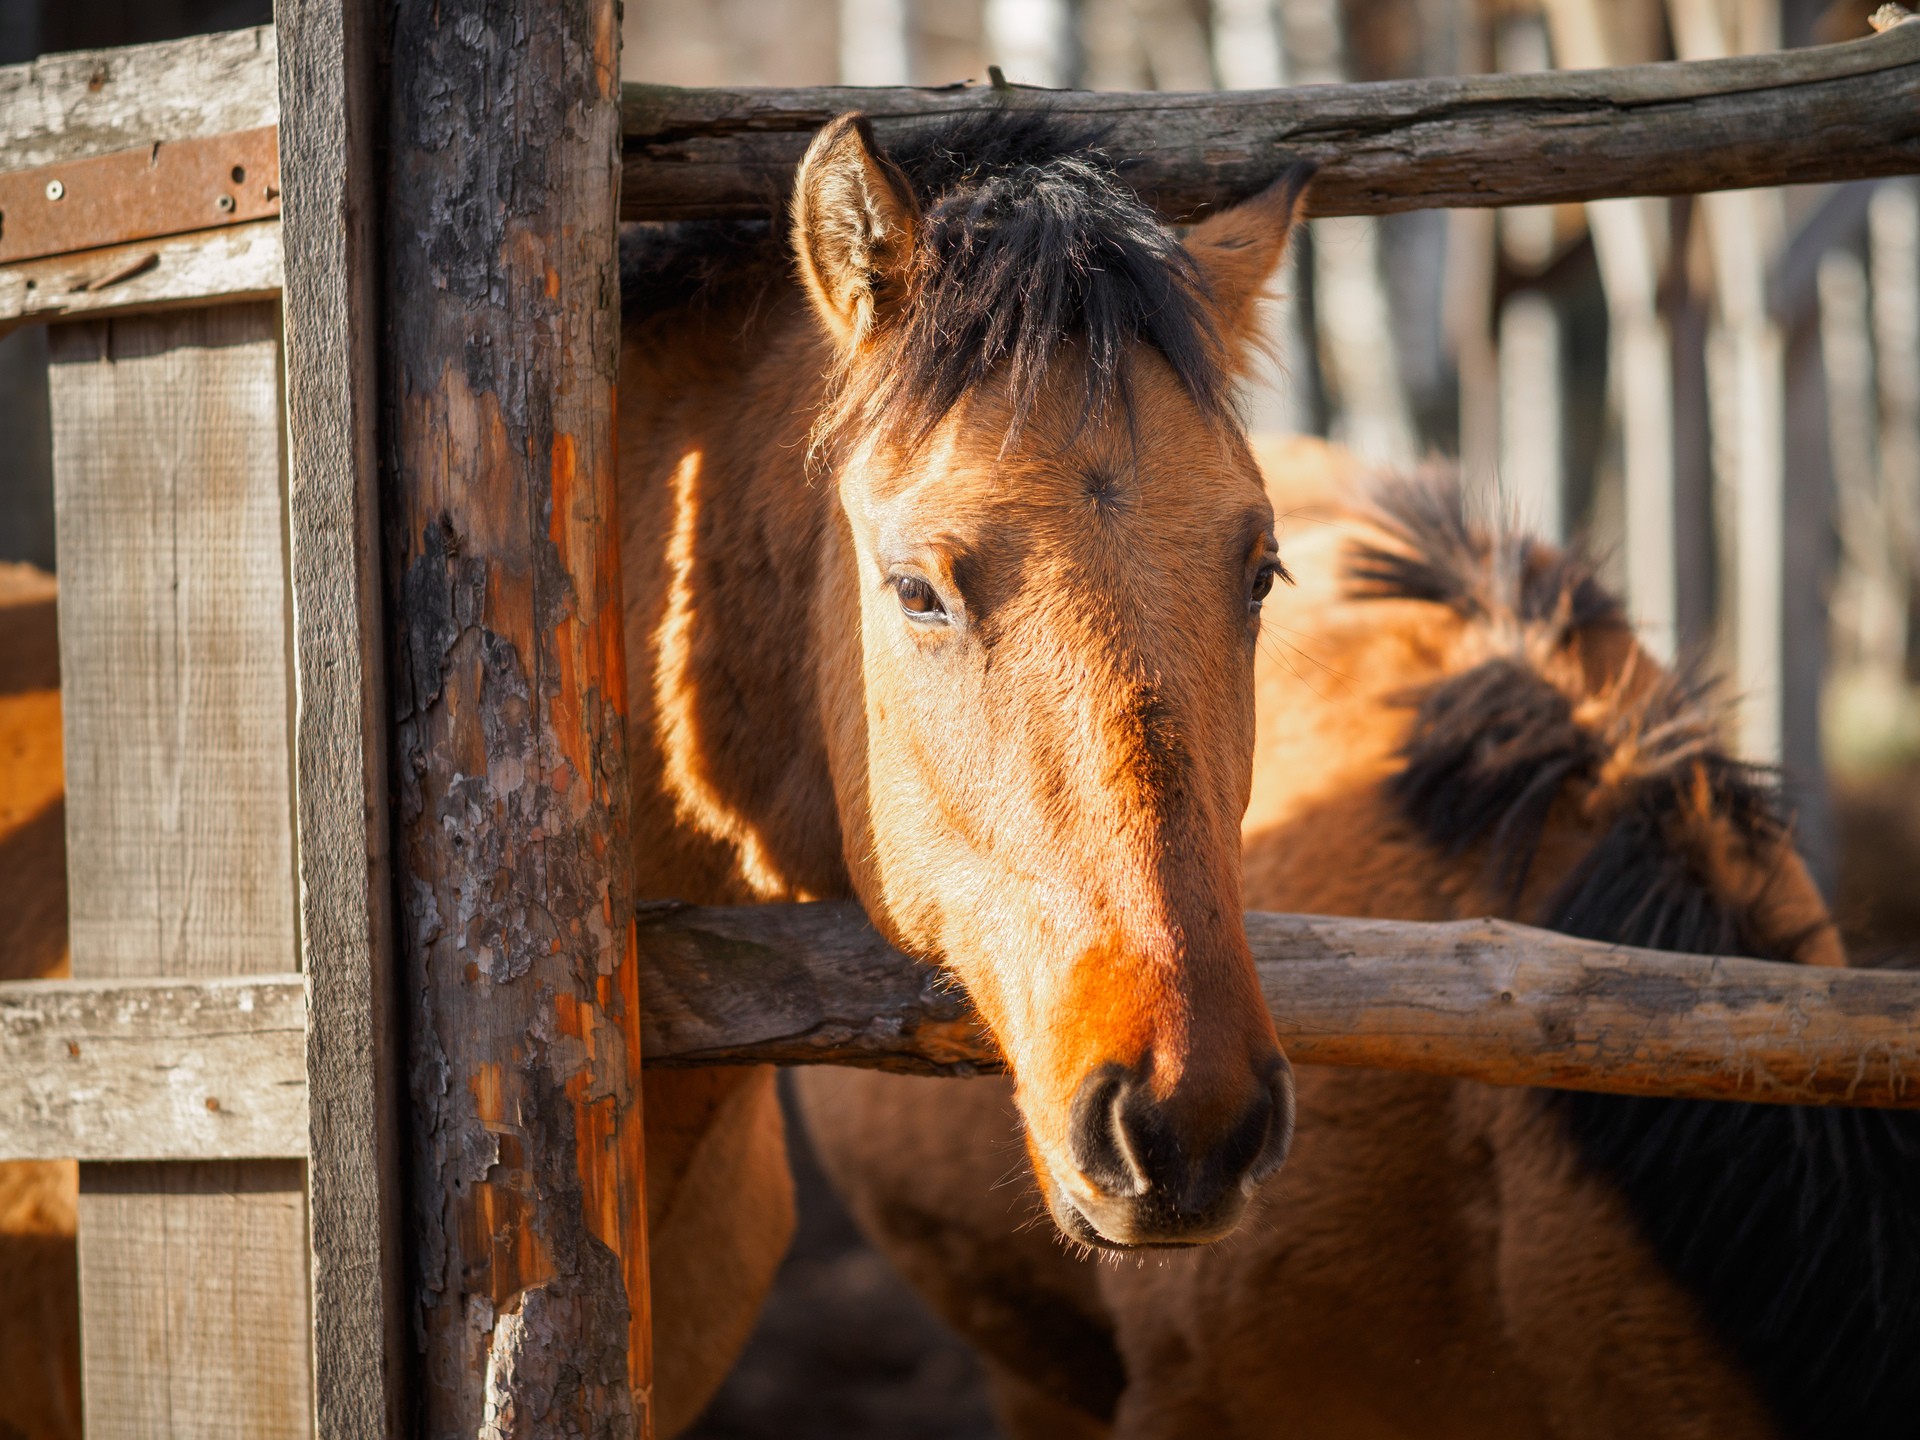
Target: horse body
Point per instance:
(1459, 724)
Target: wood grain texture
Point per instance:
(1482, 999)
(354, 1050)
(509, 705)
(1835, 112)
(93, 102)
(153, 1069)
(173, 622)
(173, 639)
(202, 1271)
(243, 263)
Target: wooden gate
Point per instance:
(242, 317)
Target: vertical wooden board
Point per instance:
(327, 141)
(193, 1298)
(173, 630)
(173, 622)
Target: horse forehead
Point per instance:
(1094, 503)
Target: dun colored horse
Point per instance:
(944, 574)
(1455, 722)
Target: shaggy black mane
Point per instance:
(1028, 241)
(1796, 1230)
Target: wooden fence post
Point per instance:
(509, 738)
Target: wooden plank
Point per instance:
(509, 705)
(173, 629)
(201, 1270)
(1834, 112)
(93, 102)
(153, 1069)
(243, 263)
(1479, 999)
(360, 1336)
(173, 621)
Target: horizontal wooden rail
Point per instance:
(1482, 999)
(153, 1069)
(180, 1069)
(1834, 112)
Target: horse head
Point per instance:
(1037, 631)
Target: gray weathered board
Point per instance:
(174, 617)
(96, 102)
(327, 139)
(153, 1069)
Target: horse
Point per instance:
(1457, 722)
(943, 569)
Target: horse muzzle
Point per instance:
(1140, 1180)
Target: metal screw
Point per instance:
(56, 190)
(224, 204)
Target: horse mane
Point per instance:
(1795, 1229)
(1028, 241)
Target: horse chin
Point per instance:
(1124, 1230)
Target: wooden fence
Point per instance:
(244, 375)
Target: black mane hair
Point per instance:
(1028, 241)
(1795, 1229)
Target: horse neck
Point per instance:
(723, 545)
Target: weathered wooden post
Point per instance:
(509, 710)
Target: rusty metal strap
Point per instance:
(166, 188)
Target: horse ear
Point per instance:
(853, 228)
(1239, 249)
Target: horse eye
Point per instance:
(1263, 580)
(918, 598)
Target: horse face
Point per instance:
(1046, 762)
(1038, 678)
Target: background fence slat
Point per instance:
(173, 627)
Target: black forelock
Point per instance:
(1796, 1230)
(1028, 240)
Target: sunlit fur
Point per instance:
(1453, 722)
(1000, 374)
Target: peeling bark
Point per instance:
(509, 720)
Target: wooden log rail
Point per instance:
(1833, 112)
(1479, 999)
(134, 1063)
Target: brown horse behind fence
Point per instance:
(944, 572)
(1455, 722)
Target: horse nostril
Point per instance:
(1094, 1134)
(1279, 1131)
